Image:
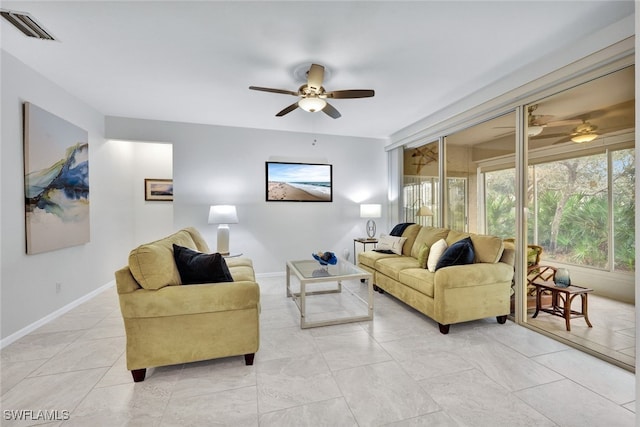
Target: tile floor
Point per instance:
(613, 333)
(395, 370)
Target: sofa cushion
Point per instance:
(436, 251)
(411, 232)
(369, 258)
(487, 248)
(152, 264)
(241, 269)
(423, 255)
(196, 267)
(391, 243)
(459, 253)
(453, 236)
(419, 279)
(391, 267)
(238, 262)
(428, 235)
(186, 300)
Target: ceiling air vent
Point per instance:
(27, 24)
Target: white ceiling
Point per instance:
(194, 61)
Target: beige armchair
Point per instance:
(169, 323)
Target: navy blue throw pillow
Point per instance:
(459, 253)
(399, 229)
(197, 267)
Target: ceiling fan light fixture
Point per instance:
(312, 104)
(585, 137)
(534, 130)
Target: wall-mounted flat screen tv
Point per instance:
(299, 182)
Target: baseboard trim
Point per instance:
(274, 274)
(48, 318)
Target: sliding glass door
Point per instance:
(576, 166)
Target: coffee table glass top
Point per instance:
(334, 307)
(311, 269)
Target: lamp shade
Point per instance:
(424, 211)
(534, 130)
(584, 137)
(370, 211)
(223, 214)
(312, 104)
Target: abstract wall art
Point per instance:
(56, 182)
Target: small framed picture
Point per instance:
(158, 189)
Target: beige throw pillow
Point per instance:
(436, 251)
(391, 243)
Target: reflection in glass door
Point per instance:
(581, 207)
(421, 185)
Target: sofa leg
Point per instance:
(501, 319)
(378, 289)
(248, 359)
(444, 329)
(138, 374)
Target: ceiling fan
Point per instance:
(584, 132)
(536, 123)
(313, 96)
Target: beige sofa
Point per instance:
(453, 294)
(169, 323)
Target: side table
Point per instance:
(364, 241)
(561, 299)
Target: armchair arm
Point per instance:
(125, 282)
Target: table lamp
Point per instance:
(223, 215)
(371, 211)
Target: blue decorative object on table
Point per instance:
(325, 258)
(561, 278)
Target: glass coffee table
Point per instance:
(310, 273)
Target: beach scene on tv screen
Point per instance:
(298, 182)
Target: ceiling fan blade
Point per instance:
(287, 110)
(547, 136)
(350, 93)
(315, 77)
(562, 141)
(568, 122)
(538, 120)
(268, 89)
(330, 111)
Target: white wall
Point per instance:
(225, 165)
(210, 164)
(152, 219)
(28, 281)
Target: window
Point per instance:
(624, 209)
(569, 208)
(457, 197)
(569, 212)
(500, 203)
